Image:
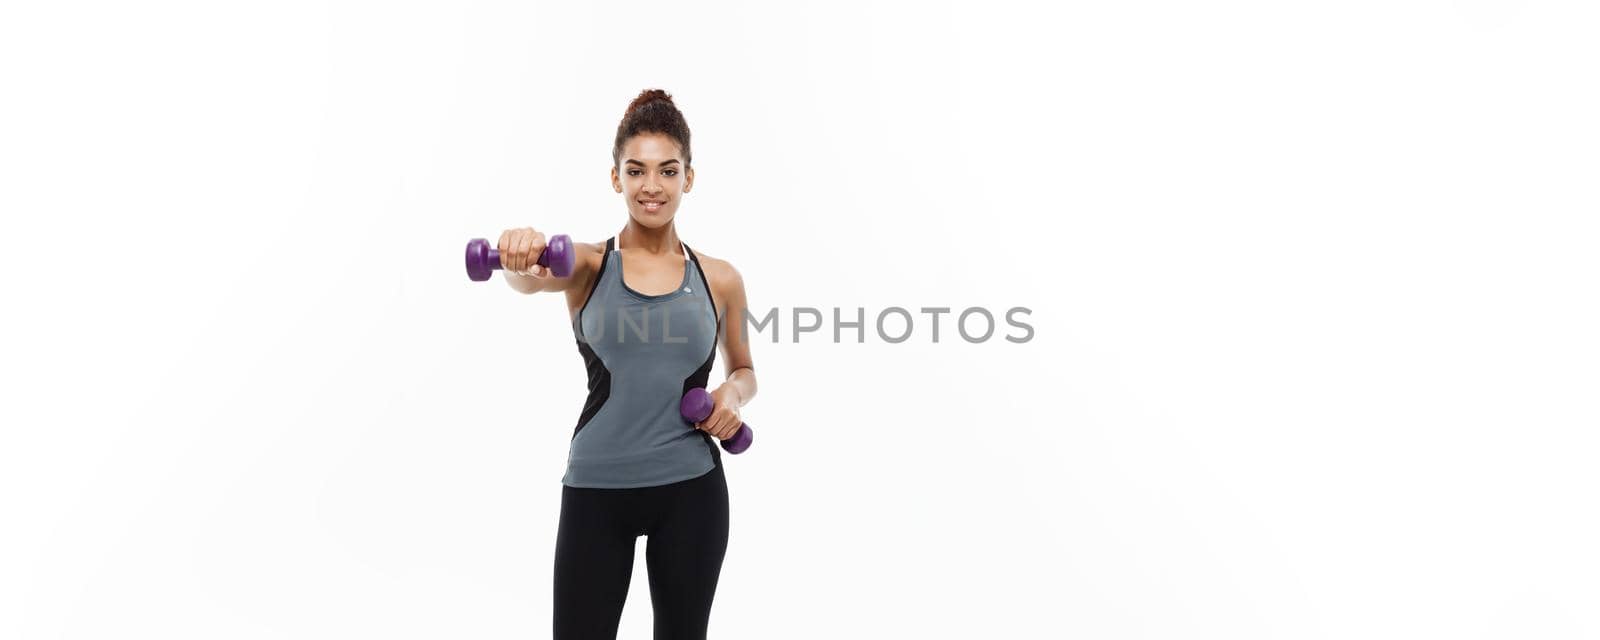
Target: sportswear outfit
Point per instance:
(635, 467)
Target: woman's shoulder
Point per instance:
(588, 259)
(721, 273)
(590, 256)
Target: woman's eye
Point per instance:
(670, 172)
(634, 172)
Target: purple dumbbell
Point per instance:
(697, 405)
(482, 259)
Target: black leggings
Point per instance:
(687, 525)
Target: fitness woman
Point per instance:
(648, 314)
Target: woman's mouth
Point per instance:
(652, 207)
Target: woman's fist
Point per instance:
(519, 252)
(724, 420)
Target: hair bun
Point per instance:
(648, 96)
(652, 112)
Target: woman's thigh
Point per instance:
(684, 554)
(594, 562)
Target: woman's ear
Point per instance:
(616, 182)
(688, 179)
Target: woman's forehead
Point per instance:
(651, 149)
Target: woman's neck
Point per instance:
(653, 241)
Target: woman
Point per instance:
(648, 314)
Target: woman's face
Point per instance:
(651, 179)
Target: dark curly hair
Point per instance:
(652, 112)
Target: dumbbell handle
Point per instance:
(697, 405)
(494, 259)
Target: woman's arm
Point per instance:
(740, 369)
(727, 287)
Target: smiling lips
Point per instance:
(652, 206)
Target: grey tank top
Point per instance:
(642, 353)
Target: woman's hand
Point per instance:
(519, 252)
(724, 420)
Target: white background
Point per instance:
(1313, 285)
